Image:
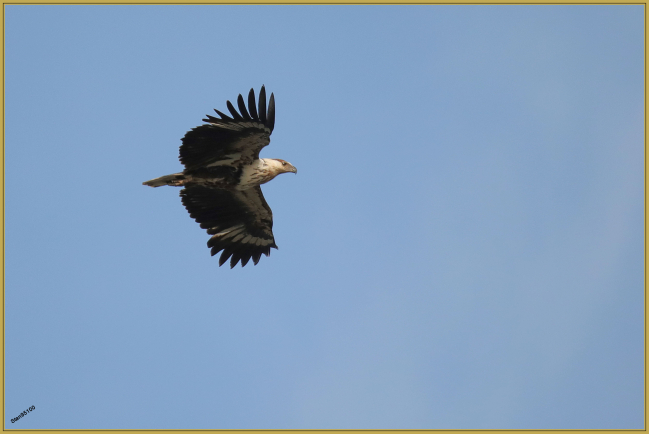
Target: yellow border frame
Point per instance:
(316, 2)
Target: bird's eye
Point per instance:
(283, 163)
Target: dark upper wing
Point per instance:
(240, 222)
(230, 139)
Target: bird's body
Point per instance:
(222, 176)
(259, 172)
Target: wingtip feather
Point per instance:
(271, 112)
(235, 259)
(225, 256)
(233, 111)
(242, 108)
(223, 115)
(262, 105)
(252, 103)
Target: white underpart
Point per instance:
(252, 174)
(265, 166)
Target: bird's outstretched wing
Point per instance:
(230, 140)
(240, 222)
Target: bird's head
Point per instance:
(282, 166)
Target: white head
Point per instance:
(279, 166)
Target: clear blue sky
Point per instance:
(461, 248)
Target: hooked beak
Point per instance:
(293, 169)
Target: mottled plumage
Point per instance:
(222, 178)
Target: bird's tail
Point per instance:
(175, 179)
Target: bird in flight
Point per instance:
(222, 178)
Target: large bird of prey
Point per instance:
(222, 178)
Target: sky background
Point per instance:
(461, 248)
